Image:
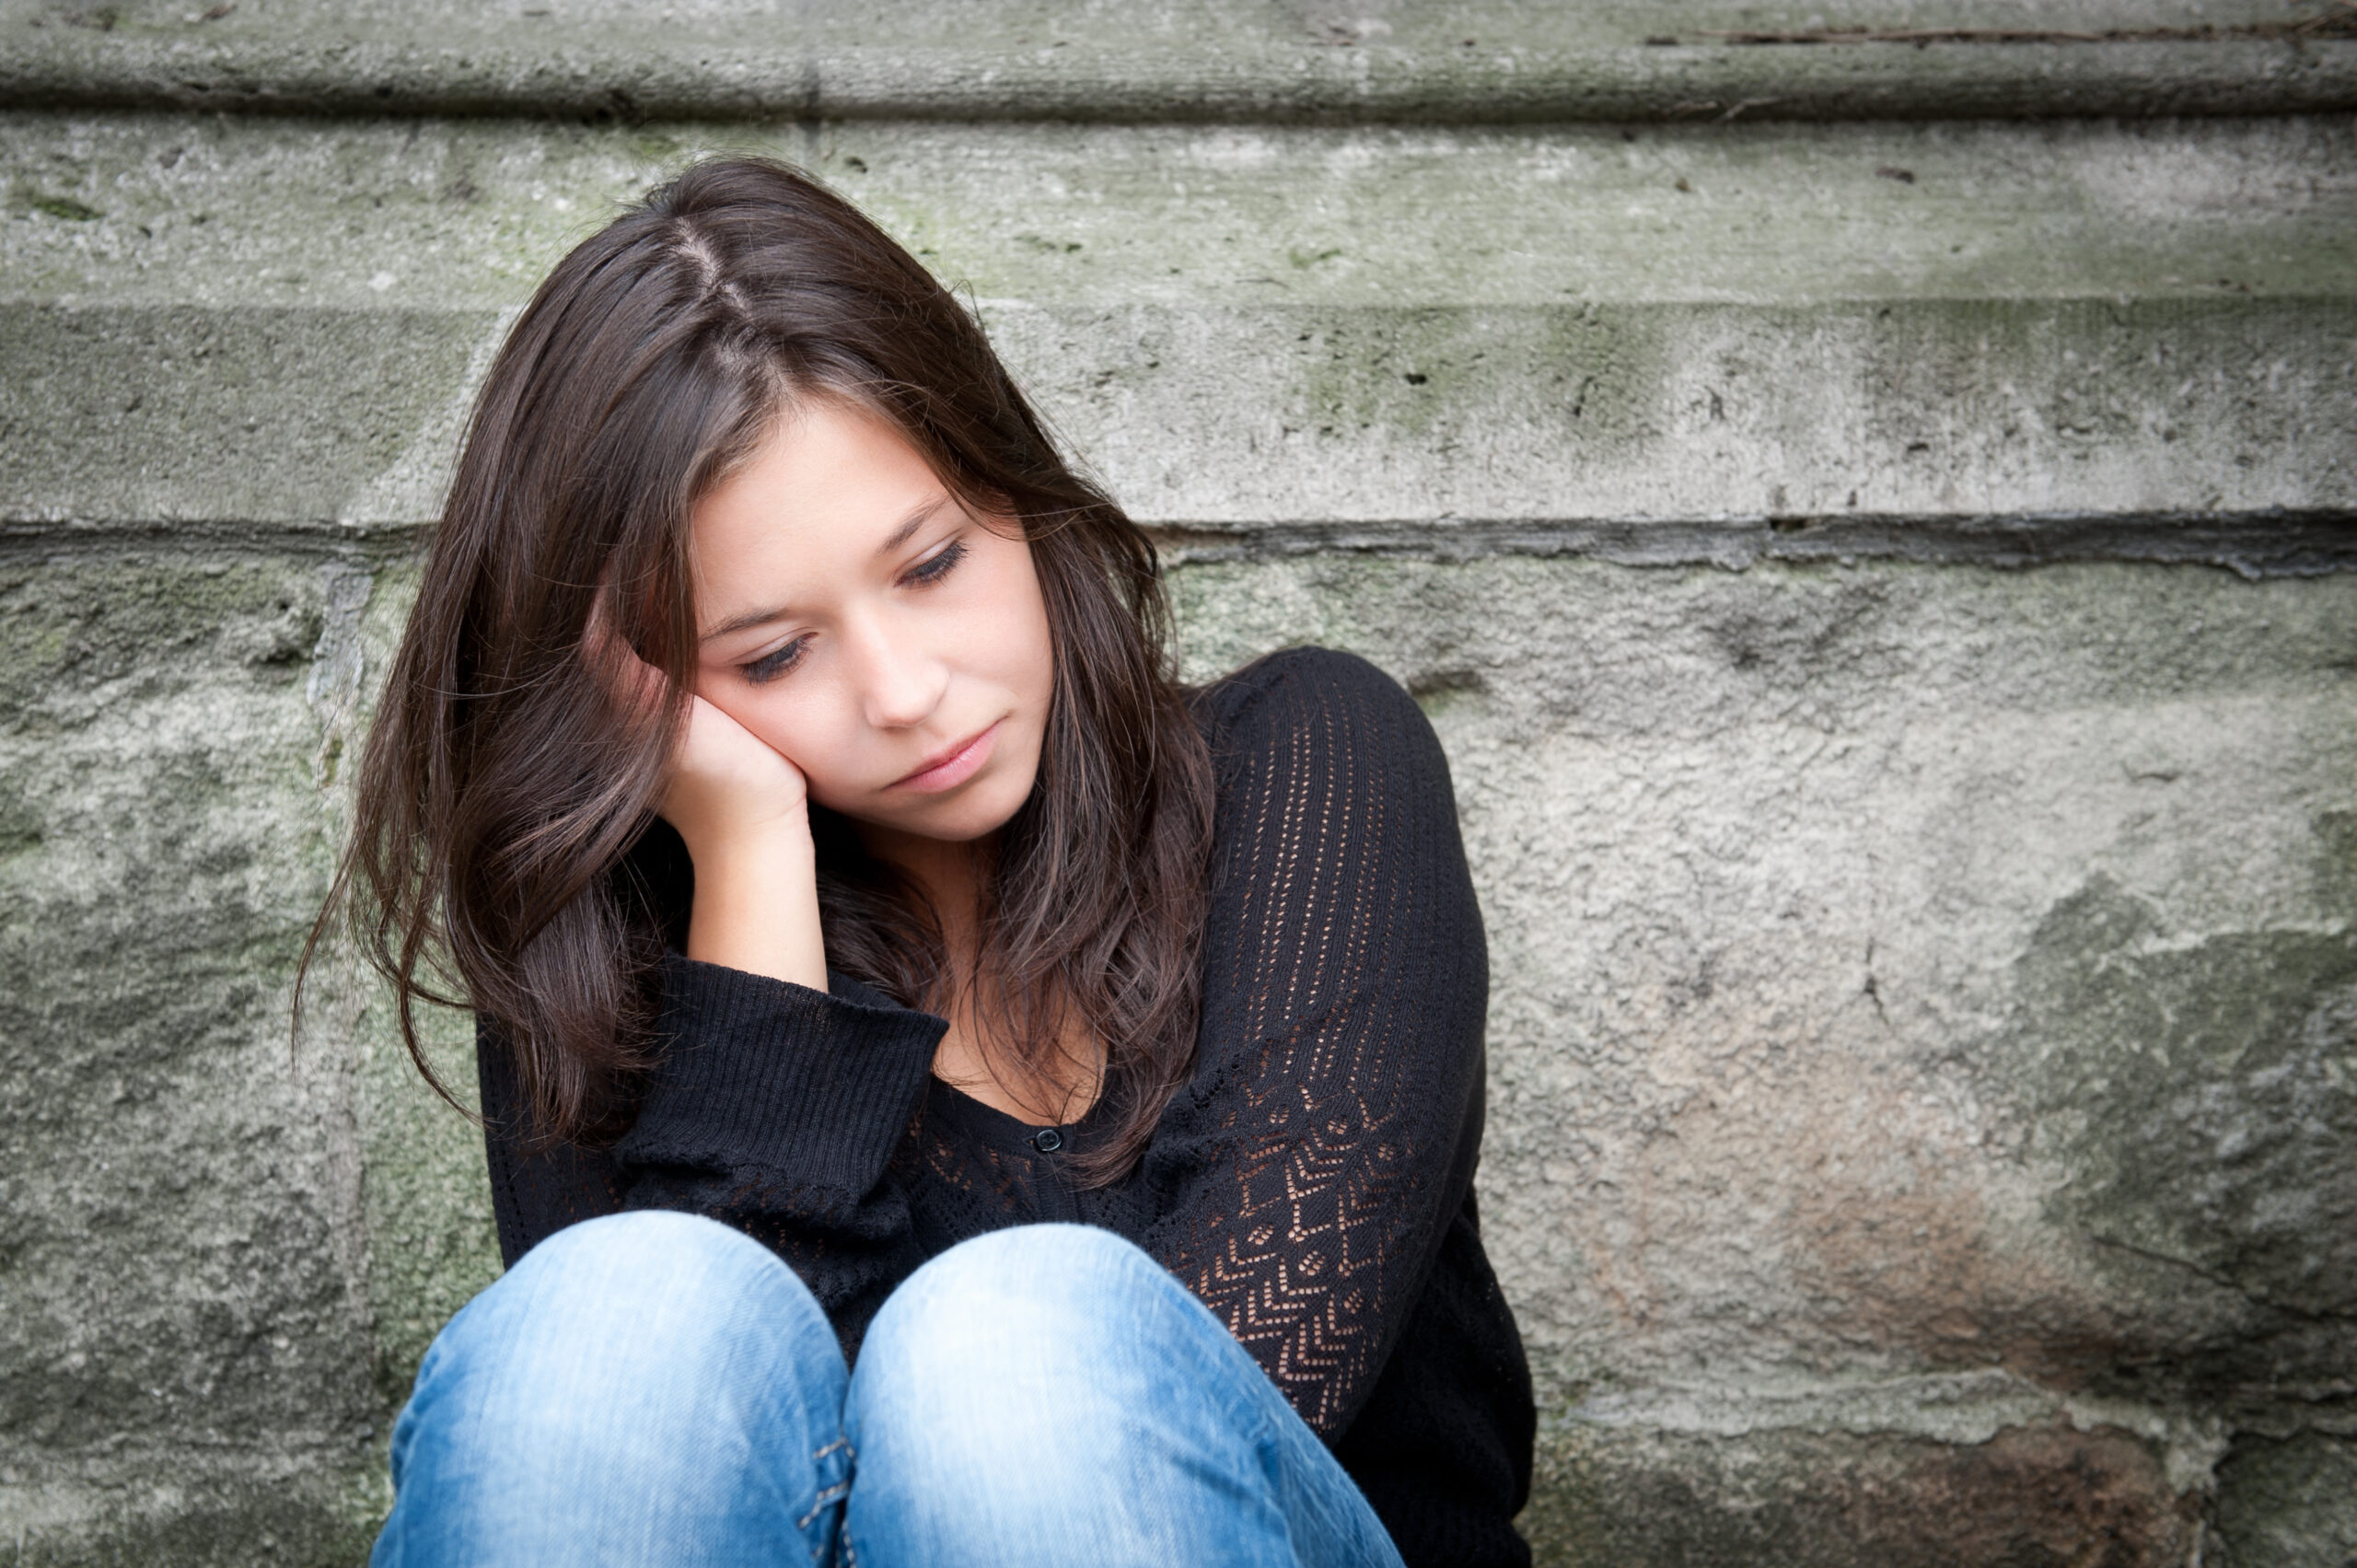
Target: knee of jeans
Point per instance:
(651, 1295)
(1019, 1373)
(1037, 1275)
(1029, 1302)
(655, 1263)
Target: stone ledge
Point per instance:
(1998, 427)
(2029, 1495)
(2255, 546)
(173, 208)
(2252, 545)
(1462, 63)
(1649, 343)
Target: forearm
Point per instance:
(777, 1109)
(756, 906)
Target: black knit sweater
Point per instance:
(1312, 1183)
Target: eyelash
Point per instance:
(937, 566)
(776, 662)
(924, 574)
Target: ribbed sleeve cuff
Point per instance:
(761, 1076)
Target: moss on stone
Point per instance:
(2288, 1503)
(321, 1512)
(2200, 1091)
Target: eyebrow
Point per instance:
(909, 526)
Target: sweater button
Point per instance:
(1046, 1139)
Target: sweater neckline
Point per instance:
(995, 1128)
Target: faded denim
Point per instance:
(657, 1388)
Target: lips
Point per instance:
(948, 769)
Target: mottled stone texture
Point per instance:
(1884, 591)
(2041, 1496)
(2285, 1502)
(1923, 1045)
(185, 1357)
(1447, 61)
(225, 1249)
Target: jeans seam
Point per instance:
(834, 1493)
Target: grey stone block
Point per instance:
(1919, 1019)
(183, 418)
(1236, 60)
(186, 1347)
(2285, 1502)
(1307, 338)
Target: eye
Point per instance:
(937, 566)
(771, 665)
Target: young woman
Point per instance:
(953, 1095)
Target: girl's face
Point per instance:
(858, 620)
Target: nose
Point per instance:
(900, 681)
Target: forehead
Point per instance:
(821, 493)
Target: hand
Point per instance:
(743, 810)
(728, 790)
(725, 787)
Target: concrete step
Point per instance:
(1460, 61)
(1976, 342)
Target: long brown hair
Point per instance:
(506, 855)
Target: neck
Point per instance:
(1053, 1085)
(950, 876)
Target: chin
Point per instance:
(962, 819)
(970, 819)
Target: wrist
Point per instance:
(718, 849)
(756, 905)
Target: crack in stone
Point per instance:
(2299, 1314)
(2254, 546)
(2340, 23)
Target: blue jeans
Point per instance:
(656, 1389)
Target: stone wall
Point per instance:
(1873, 524)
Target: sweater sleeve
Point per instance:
(1306, 1178)
(774, 1109)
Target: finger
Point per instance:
(721, 733)
(635, 685)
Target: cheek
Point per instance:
(796, 723)
(1027, 646)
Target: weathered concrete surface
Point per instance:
(1581, 338)
(187, 1361)
(225, 1251)
(1460, 61)
(1927, 1009)
(1923, 1101)
(2285, 1503)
